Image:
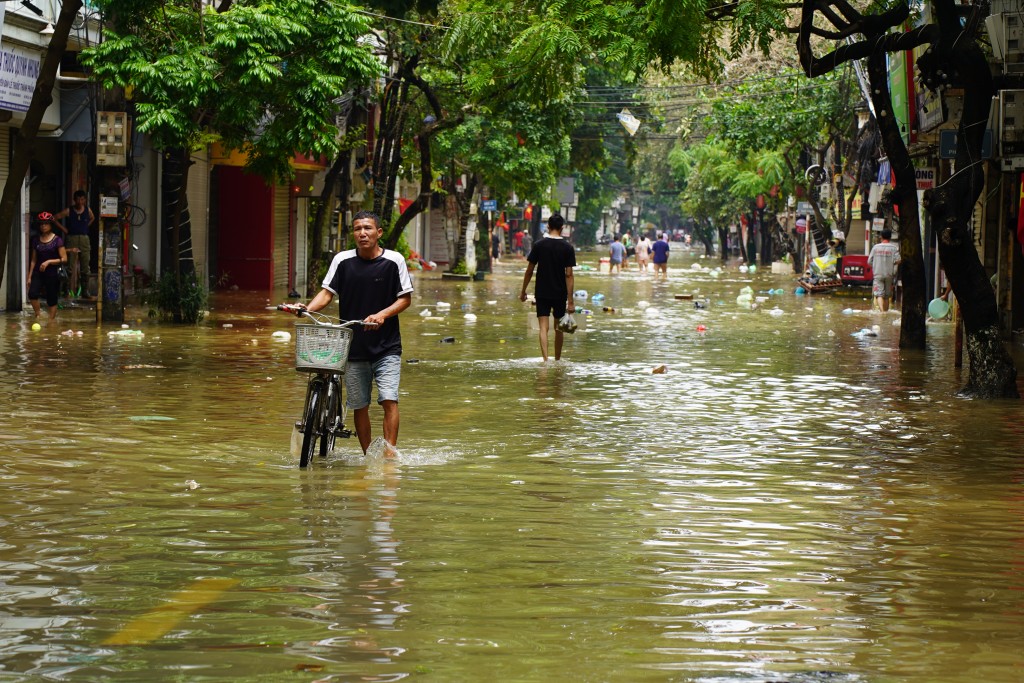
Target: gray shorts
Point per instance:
(360, 375)
(882, 286)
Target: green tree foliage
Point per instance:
(517, 149)
(714, 183)
(784, 111)
(261, 76)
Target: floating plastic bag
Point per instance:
(628, 121)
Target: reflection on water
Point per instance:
(786, 502)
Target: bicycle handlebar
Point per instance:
(318, 318)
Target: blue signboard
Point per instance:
(489, 205)
(947, 144)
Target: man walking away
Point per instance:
(643, 252)
(616, 254)
(659, 258)
(883, 259)
(553, 258)
(372, 285)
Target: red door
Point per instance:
(245, 220)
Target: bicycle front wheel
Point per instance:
(331, 417)
(311, 421)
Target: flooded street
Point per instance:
(787, 502)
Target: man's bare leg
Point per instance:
(559, 339)
(542, 322)
(390, 421)
(361, 417)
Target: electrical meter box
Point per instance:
(112, 132)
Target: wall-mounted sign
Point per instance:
(947, 144)
(19, 70)
(108, 207)
(925, 178)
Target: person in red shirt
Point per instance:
(517, 242)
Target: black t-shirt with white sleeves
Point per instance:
(364, 287)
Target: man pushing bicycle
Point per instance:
(372, 285)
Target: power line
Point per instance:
(367, 13)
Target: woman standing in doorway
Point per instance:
(46, 258)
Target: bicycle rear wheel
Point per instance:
(311, 421)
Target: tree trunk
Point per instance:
(422, 201)
(465, 199)
(709, 247)
(723, 242)
(24, 140)
(323, 209)
(912, 329)
(992, 372)
(387, 153)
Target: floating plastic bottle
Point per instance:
(597, 298)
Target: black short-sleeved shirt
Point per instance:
(552, 256)
(365, 287)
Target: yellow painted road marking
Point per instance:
(157, 622)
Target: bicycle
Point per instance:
(321, 349)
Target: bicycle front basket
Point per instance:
(319, 348)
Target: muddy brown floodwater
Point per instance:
(786, 502)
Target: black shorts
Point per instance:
(546, 307)
(49, 283)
